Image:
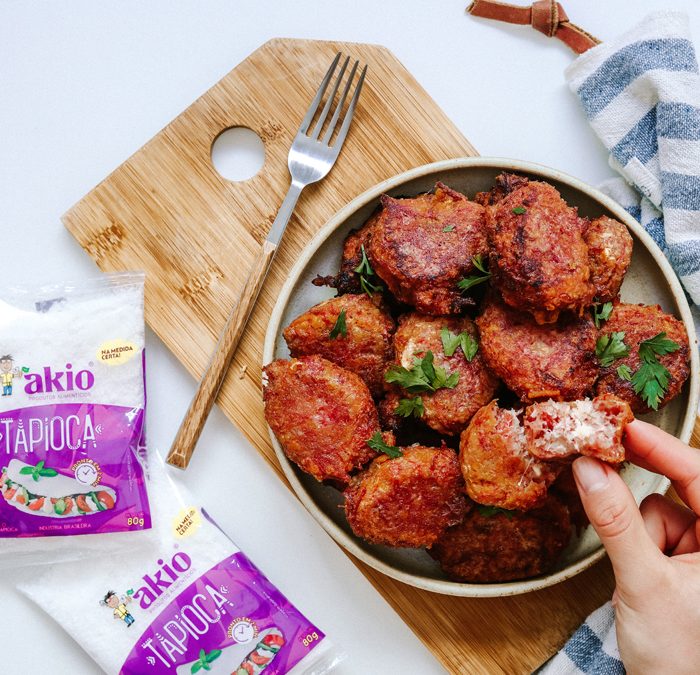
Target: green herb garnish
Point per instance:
(364, 269)
(489, 511)
(423, 376)
(450, 342)
(610, 347)
(38, 471)
(624, 372)
(651, 380)
(377, 443)
(339, 327)
(602, 313)
(475, 279)
(519, 210)
(410, 406)
(448, 228)
(204, 660)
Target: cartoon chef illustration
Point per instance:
(119, 605)
(8, 373)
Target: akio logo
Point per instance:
(51, 380)
(164, 577)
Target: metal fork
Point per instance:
(310, 160)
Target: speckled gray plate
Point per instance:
(650, 280)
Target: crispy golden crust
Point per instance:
(504, 185)
(347, 280)
(420, 262)
(504, 547)
(539, 259)
(497, 469)
(538, 361)
(408, 501)
(447, 411)
(321, 414)
(609, 254)
(366, 349)
(557, 431)
(639, 323)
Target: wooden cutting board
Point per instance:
(167, 211)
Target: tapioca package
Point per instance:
(190, 602)
(72, 411)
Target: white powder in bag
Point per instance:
(190, 602)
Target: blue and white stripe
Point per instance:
(592, 649)
(641, 94)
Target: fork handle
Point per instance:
(196, 416)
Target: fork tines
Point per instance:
(315, 104)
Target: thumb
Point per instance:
(614, 515)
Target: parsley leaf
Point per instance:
(610, 347)
(450, 342)
(340, 328)
(489, 511)
(651, 382)
(519, 210)
(377, 443)
(364, 269)
(602, 313)
(410, 406)
(448, 228)
(624, 373)
(423, 376)
(475, 279)
(659, 344)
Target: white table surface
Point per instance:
(84, 84)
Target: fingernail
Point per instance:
(590, 474)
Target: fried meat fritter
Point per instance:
(538, 256)
(639, 323)
(594, 428)
(348, 280)
(609, 254)
(492, 547)
(365, 348)
(408, 501)
(422, 247)
(321, 414)
(538, 361)
(497, 468)
(447, 410)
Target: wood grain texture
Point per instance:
(167, 211)
(196, 416)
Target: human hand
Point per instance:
(654, 551)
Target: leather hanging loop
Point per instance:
(546, 16)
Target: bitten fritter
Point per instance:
(364, 347)
(447, 410)
(348, 280)
(639, 323)
(492, 547)
(408, 501)
(539, 258)
(422, 248)
(539, 361)
(497, 468)
(322, 416)
(556, 431)
(609, 254)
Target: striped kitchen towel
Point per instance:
(641, 94)
(591, 649)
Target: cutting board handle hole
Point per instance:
(238, 153)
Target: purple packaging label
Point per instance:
(230, 620)
(71, 468)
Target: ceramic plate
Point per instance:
(650, 280)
